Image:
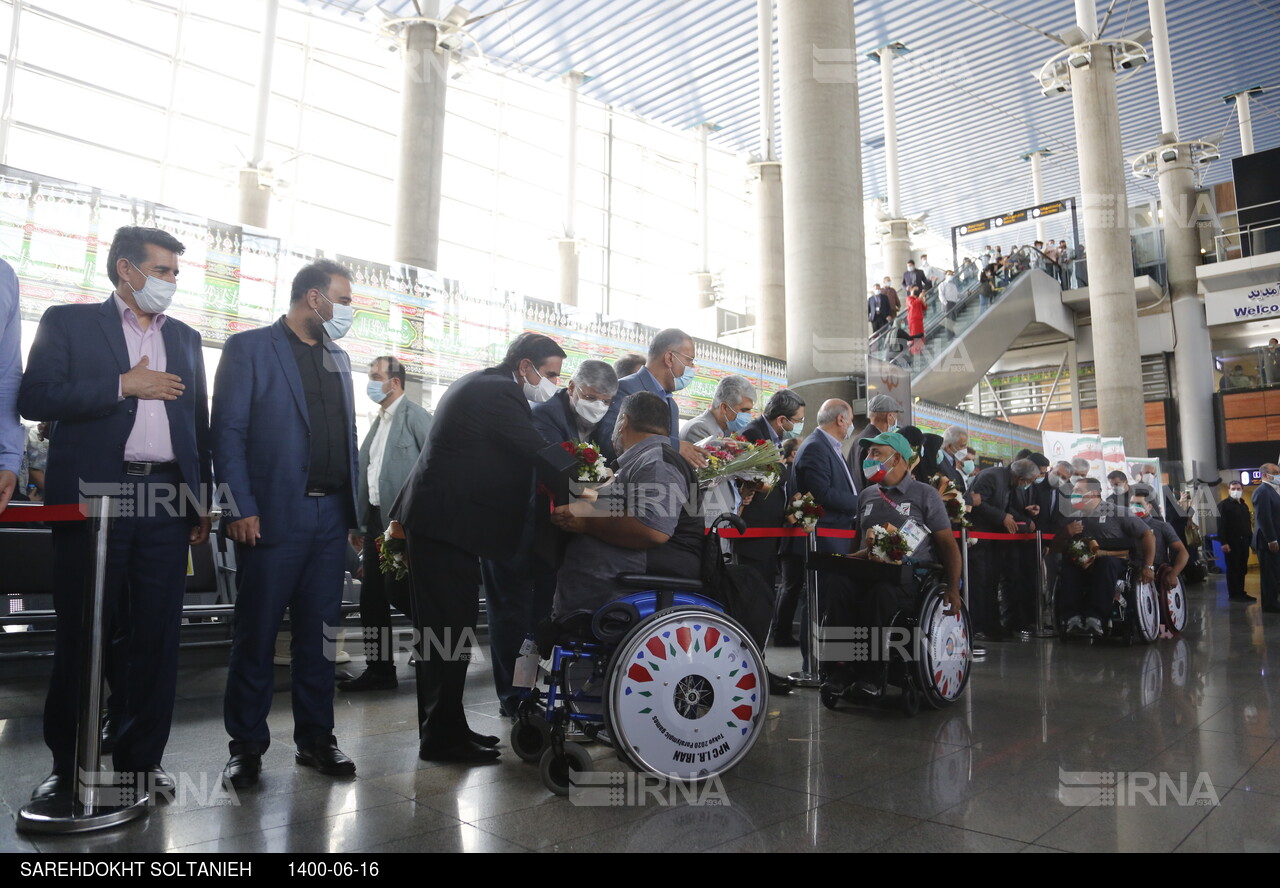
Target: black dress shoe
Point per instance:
(242, 770)
(486, 740)
(464, 751)
(779, 685)
(325, 756)
(53, 786)
(371, 680)
(157, 778)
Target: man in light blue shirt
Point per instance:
(12, 435)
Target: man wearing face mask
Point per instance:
(882, 415)
(783, 419)
(1235, 531)
(470, 498)
(125, 383)
(1002, 503)
(954, 460)
(576, 412)
(729, 414)
(670, 368)
(284, 445)
(388, 454)
(1266, 536)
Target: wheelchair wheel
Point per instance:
(557, 770)
(945, 653)
(530, 737)
(829, 697)
(1146, 615)
(1175, 608)
(687, 690)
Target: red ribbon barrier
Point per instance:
(38, 514)
(756, 533)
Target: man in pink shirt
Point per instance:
(124, 386)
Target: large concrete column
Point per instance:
(1037, 187)
(1113, 304)
(255, 186)
(1193, 355)
(422, 97)
(1244, 114)
(895, 247)
(822, 201)
(568, 244)
(703, 279)
(771, 290)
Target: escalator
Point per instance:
(962, 345)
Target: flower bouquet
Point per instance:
(590, 473)
(953, 499)
(886, 544)
(1082, 551)
(391, 547)
(803, 512)
(733, 457)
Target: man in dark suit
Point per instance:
(1235, 532)
(284, 446)
(954, 454)
(879, 310)
(387, 456)
(669, 369)
(914, 277)
(519, 587)
(467, 499)
(783, 418)
(125, 384)
(1001, 495)
(1266, 537)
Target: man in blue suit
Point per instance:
(1266, 537)
(669, 369)
(124, 384)
(820, 469)
(284, 448)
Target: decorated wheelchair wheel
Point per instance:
(1175, 608)
(945, 652)
(1146, 616)
(687, 694)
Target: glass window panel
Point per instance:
(475, 142)
(44, 102)
(141, 23)
(221, 47)
(64, 159)
(80, 54)
(216, 98)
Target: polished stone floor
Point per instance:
(1178, 741)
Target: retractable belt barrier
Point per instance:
(96, 802)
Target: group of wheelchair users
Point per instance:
(642, 670)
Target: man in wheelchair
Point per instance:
(645, 521)
(1089, 580)
(892, 497)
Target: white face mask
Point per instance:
(338, 325)
(156, 295)
(544, 391)
(591, 411)
(1237, 494)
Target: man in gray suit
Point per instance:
(388, 454)
(730, 414)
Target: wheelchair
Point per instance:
(938, 657)
(674, 684)
(1135, 615)
(1173, 607)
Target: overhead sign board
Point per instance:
(1257, 303)
(1030, 214)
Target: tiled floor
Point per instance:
(1192, 717)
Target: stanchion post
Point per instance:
(964, 564)
(810, 678)
(1044, 615)
(85, 809)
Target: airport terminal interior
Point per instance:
(1085, 194)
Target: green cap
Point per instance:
(892, 439)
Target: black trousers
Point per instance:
(990, 564)
(1089, 593)
(445, 606)
(1237, 566)
(1269, 568)
(793, 586)
(379, 592)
